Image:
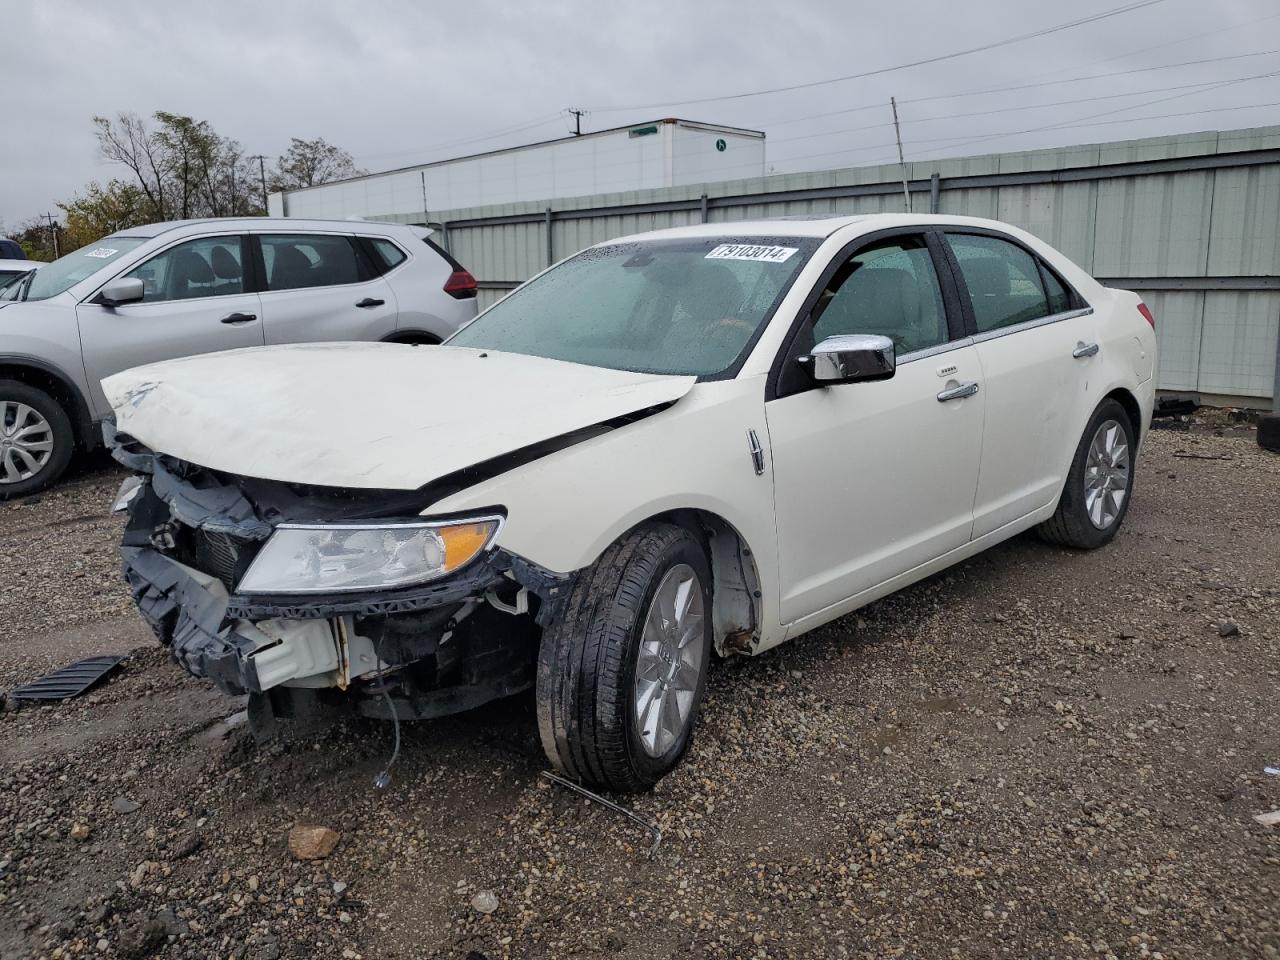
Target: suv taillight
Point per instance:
(461, 285)
(1147, 315)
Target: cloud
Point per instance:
(394, 82)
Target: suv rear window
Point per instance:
(388, 253)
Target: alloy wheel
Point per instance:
(26, 441)
(670, 659)
(1106, 474)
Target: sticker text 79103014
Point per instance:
(748, 251)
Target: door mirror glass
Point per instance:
(850, 358)
(122, 290)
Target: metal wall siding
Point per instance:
(1179, 325)
(1154, 226)
(1238, 342)
(1245, 236)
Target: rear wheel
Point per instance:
(1095, 498)
(621, 673)
(36, 440)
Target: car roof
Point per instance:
(19, 264)
(816, 225)
(259, 223)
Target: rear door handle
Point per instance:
(958, 392)
(1083, 350)
(370, 302)
(240, 318)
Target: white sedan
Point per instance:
(707, 438)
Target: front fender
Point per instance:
(566, 508)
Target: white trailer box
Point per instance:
(661, 153)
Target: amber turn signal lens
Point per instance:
(462, 541)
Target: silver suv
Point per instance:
(196, 286)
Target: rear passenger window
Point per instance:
(208, 267)
(390, 255)
(1059, 299)
(1003, 281)
(294, 261)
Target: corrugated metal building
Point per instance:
(660, 153)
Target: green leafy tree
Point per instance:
(101, 210)
(310, 162)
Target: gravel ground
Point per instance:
(1039, 753)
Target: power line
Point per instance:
(1077, 123)
(1020, 86)
(1046, 31)
(1106, 113)
(1032, 106)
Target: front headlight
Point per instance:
(316, 558)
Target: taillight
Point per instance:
(1147, 315)
(461, 285)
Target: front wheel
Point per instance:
(621, 672)
(1095, 498)
(36, 439)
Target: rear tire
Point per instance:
(1088, 515)
(590, 702)
(36, 439)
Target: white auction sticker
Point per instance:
(747, 251)
(102, 253)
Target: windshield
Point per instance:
(65, 272)
(685, 306)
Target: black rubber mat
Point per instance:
(70, 681)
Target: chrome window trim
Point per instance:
(1032, 324)
(935, 350)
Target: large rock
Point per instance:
(311, 842)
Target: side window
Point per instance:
(390, 255)
(294, 261)
(207, 267)
(889, 288)
(1059, 299)
(1003, 281)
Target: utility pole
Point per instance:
(577, 121)
(906, 194)
(53, 232)
(262, 175)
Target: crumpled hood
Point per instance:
(369, 415)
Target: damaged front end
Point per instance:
(201, 548)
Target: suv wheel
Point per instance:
(621, 672)
(35, 439)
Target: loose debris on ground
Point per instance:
(1040, 753)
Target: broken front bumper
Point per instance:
(191, 534)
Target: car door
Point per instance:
(1037, 345)
(196, 300)
(872, 480)
(321, 286)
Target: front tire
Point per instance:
(36, 440)
(622, 671)
(1096, 495)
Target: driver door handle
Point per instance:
(959, 391)
(1083, 350)
(370, 302)
(240, 318)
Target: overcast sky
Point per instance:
(399, 82)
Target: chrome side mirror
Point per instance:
(122, 290)
(851, 358)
